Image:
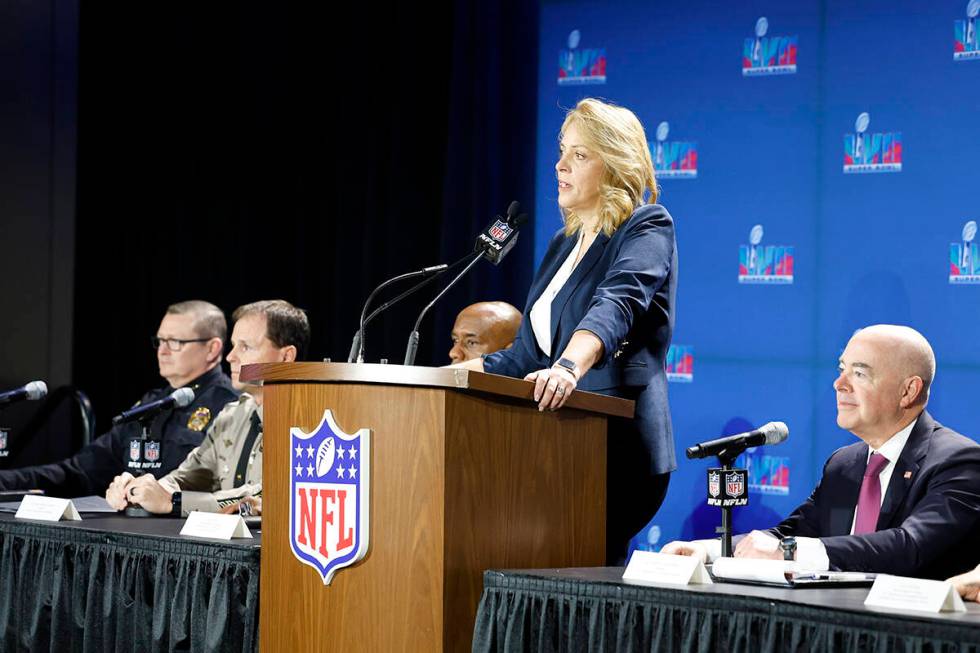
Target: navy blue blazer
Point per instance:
(929, 525)
(623, 290)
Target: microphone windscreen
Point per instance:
(36, 390)
(513, 210)
(775, 432)
(182, 397)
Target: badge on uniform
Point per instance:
(134, 450)
(328, 496)
(199, 419)
(151, 452)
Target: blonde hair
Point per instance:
(617, 137)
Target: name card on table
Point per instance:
(650, 567)
(43, 508)
(899, 592)
(215, 526)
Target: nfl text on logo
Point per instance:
(328, 496)
(727, 487)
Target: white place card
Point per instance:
(215, 526)
(650, 567)
(902, 593)
(42, 508)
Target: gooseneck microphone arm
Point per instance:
(357, 346)
(413, 338)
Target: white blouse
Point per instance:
(541, 311)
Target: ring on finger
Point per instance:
(560, 391)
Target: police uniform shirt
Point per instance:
(227, 467)
(171, 436)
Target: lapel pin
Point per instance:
(907, 475)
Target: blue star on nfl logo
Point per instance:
(328, 496)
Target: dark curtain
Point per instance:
(69, 589)
(238, 151)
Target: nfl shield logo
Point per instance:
(134, 450)
(328, 496)
(500, 230)
(734, 484)
(152, 451)
(714, 484)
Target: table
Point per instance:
(116, 583)
(593, 610)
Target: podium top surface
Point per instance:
(433, 377)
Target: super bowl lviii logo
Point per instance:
(578, 66)
(767, 474)
(328, 496)
(674, 159)
(965, 44)
(768, 55)
(865, 151)
(964, 262)
(680, 363)
(758, 263)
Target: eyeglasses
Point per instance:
(173, 344)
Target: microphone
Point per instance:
(179, 398)
(357, 344)
(500, 236)
(32, 391)
(731, 446)
(493, 243)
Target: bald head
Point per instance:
(483, 328)
(909, 353)
(883, 385)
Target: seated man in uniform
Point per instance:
(227, 468)
(189, 344)
(483, 328)
(906, 500)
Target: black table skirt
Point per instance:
(83, 587)
(592, 610)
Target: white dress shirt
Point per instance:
(541, 311)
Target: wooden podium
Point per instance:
(466, 475)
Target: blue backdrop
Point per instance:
(817, 158)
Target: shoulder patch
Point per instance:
(199, 419)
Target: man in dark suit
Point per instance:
(905, 500)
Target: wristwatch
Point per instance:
(176, 504)
(568, 365)
(788, 545)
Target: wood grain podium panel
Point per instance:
(392, 599)
(462, 479)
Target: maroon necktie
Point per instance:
(869, 501)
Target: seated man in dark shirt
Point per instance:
(189, 346)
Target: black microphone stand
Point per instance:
(726, 459)
(138, 511)
(413, 338)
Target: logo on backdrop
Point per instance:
(768, 55)
(674, 159)
(580, 66)
(871, 152)
(759, 263)
(767, 474)
(680, 363)
(965, 44)
(964, 257)
(328, 496)
(3, 444)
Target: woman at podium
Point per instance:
(599, 313)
